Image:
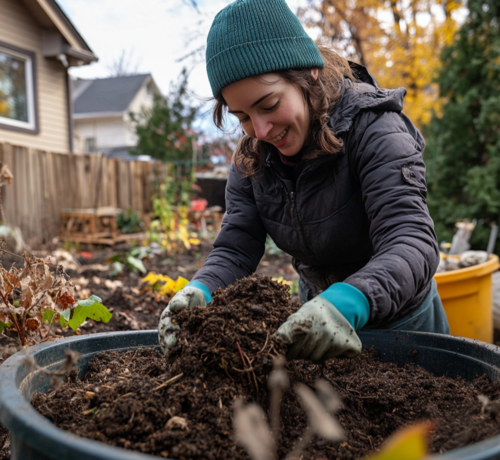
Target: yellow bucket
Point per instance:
(467, 299)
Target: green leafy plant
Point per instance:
(84, 309)
(131, 259)
(170, 224)
(129, 222)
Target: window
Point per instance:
(90, 144)
(17, 89)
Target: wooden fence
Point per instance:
(45, 183)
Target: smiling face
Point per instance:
(271, 109)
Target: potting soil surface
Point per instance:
(183, 409)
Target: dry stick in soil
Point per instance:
(277, 383)
(245, 366)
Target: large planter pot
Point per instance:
(34, 437)
(467, 298)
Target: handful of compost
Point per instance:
(190, 297)
(317, 331)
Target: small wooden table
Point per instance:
(93, 225)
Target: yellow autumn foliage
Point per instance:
(408, 443)
(399, 42)
(164, 285)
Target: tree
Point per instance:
(463, 143)
(399, 41)
(165, 131)
(124, 65)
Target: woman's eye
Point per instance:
(275, 106)
(244, 120)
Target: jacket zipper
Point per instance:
(293, 209)
(296, 221)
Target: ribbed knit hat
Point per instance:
(253, 37)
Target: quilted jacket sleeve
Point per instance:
(387, 161)
(241, 242)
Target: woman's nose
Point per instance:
(261, 128)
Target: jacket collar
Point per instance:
(363, 95)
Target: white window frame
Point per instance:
(31, 126)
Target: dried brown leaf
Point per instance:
(26, 293)
(65, 297)
(46, 280)
(33, 324)
(6, 174)
(252, 431)
(328, 396)
(11, 281)
(320, 421)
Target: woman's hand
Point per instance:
(190, 297)
(318, 331)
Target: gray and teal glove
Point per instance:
(324, 327)
(195, 294)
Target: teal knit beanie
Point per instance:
(253, 37)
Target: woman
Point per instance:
(331, 169)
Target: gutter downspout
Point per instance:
(69, 106)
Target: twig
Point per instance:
(48, 263)
(253, 373)
(264, 347)
(20, 331)
(12, 254)
(244, 364)
(41, 297)
(168, 382)
(70, 360)
(242, 370)
(227, 373)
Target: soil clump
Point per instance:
(183, 409)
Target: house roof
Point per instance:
(53, 19)
(123, 153)
(106, 96)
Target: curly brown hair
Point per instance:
(320, 94)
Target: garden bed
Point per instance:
(184, 409)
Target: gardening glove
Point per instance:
(324, 327)
(195, 294)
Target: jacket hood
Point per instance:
(363, 95)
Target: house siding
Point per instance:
(112, 132)
(19, 28)
(108, 132)
(142, 100)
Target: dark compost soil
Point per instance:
(130, 399)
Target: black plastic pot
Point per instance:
(213, 190)
(34, 437)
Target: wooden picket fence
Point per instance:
(47, 183)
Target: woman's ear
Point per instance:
(315, 73)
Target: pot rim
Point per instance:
(19, 416)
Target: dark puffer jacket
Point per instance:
(359, 217)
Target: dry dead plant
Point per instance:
(71, 359)
(252, 430)
(33, 295)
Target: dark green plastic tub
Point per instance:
(34, 437)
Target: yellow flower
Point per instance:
(151, 278)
